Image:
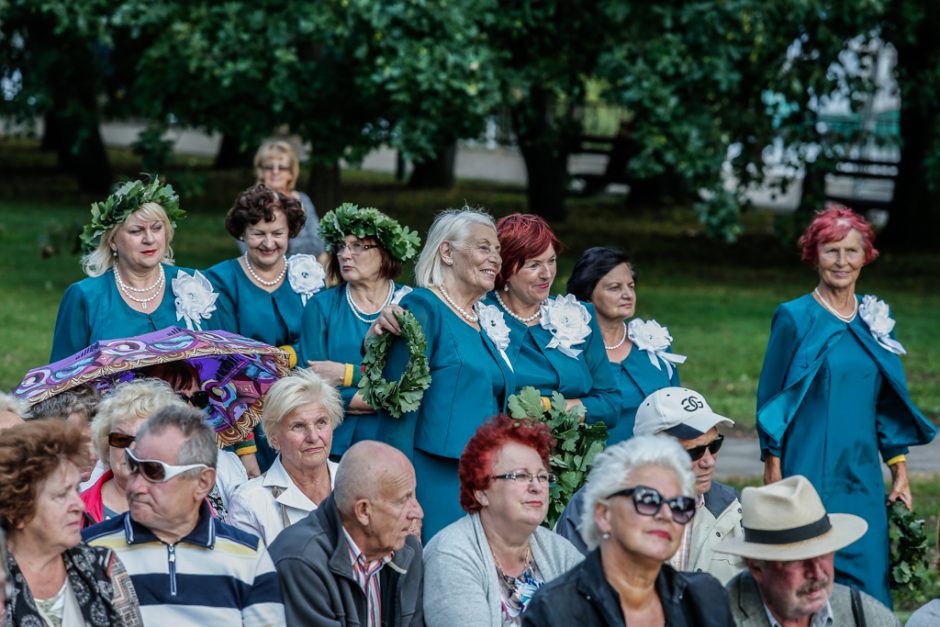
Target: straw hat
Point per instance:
(786, 521)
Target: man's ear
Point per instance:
(362, 510)
(204, 483)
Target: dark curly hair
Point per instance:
(259, 203)
(29, 454)
(476, 461)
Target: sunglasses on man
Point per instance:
(155, 471)
(697, 452)
(648, 501)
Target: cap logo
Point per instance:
(692, 403)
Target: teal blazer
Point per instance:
(637, 378)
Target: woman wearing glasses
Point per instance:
(278, 168)
(263, 292)
(484, 568)
(367, 249)
(638, 499)
(638, 350)
(56, 579)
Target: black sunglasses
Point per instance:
(696, 453)
(120, 440)
(648, 501)
(199, 398)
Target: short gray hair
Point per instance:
(129, 402)
(300, 388)
(612, 469)
(81, 400)
(452, 225)
(200, 446)
(10, 403)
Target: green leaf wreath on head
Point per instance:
(126, 199)
(578, 444)
(404, 395)
(401, 242)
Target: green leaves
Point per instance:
(125, 200)
(908, 548)
(577, 445)
(402, 396)
(350, 219)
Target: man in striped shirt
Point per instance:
(355, 559)
(187, 567)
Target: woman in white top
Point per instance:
(299, 415)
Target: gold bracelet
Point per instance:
(546, 403)
(347, 374)
(897, 459)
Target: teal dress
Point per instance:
(832, 403)
(92, 309)
(637, 378)
(469, 383)
(589, 376)
(330, 331)
(270, 317)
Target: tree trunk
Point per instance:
(914, 217)
(436, 171)
(231, 154)
(543, 141)
(50, 132)
(81, 151)
(325, 186)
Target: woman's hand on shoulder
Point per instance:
(386, 322)
(331, 371)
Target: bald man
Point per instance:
(354, 560)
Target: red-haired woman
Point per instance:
(554, 343)
(484, 568)
(832, 401)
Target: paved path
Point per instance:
(740, 457)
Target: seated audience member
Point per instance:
(299, 415)
(928, 615)
(637, 500)
(53, 578)
(684, 415)
(354, 560)
(12, 411)
(188, 567)
(789, 546)
(484, 568)
(4, 575)
(77, 407)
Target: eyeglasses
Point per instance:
(273, 167)
(543, 478)
(199, 398)
(120, 440)
(696, 453)
(154, 470)
(355, 248)
(648, 502)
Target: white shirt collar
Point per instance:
(277, 476)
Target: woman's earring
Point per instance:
(506, 287)
(114, 253)
(605, 535)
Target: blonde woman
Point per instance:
(300, 413)
(132, 286)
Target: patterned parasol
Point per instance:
(236, 372)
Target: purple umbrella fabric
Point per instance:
(236, 371)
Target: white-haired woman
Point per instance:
(639, 496)
(300, 413)
(466, 341)
(132, 286)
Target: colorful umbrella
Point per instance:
(236, 372)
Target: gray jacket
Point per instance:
(747, 608)
(460, 583)
(719, 519)
(315, 571)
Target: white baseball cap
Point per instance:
(679, 412)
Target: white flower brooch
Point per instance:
(654, 338)
(306, 275)
(568, 321)
(195, 298)
(877, 315)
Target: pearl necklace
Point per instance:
(472, 317)
(512, 314)
(128, 291)
(360, 314)
(622, 340)
(825, 303)
(257, 278)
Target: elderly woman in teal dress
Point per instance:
(262, 293)
(832, 402)
(638, 351)
(471, 376)
(132, 286)
(555, 343)
(367, 249)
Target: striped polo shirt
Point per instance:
(216, 575)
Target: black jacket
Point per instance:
(317, 583)
(583, 597)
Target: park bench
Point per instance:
(862, 170)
